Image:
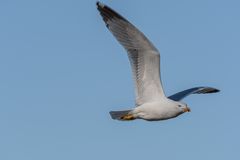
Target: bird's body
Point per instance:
(158, 110)
(151, 102)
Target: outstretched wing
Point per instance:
(197, 90)
(143, 56)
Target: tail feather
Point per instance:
(122, 115)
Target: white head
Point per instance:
(184, 108)
(175, 109)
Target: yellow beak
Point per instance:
(187, 109)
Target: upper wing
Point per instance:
(197, 90)
(143, 56)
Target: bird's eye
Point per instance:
(179, 105)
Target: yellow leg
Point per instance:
(128, 117)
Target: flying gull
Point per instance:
(151, 102)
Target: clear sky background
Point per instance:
(61, 72)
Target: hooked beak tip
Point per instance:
(187, 109)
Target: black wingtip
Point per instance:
(215, 90)
(209, 90)
(212, 90)
(99, 4)
(108, 13)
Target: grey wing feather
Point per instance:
(197, 90)
(143, 56)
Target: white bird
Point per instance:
(151, 102)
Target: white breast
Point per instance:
(159, 110)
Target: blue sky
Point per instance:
(62, 72)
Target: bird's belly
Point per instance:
(155, 113)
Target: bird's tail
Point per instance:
(122, 115)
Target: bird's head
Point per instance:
(183, 107)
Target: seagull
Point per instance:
(151, 103)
